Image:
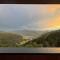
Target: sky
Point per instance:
(29, 16)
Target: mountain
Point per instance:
(49, 39)
(9, 39)
(31, 33)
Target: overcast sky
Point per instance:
(32, 17)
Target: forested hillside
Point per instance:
(50, 39)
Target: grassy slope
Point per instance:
(9, 39)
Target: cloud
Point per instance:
(28, 16)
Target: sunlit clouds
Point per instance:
(52, 21)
